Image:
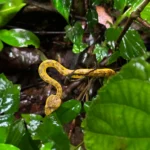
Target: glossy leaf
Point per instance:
(33, 122)
(120, 119)
(75, 35)
(131, 45)
(63, 7)
(68, 111)
(8, 10)
(9, 101)
(16, 132)
(8, 147)
(113, 57)
(92, 18)
(100, 52)
(145, 13)
(19, 38)
(52, 130)
(10, 95)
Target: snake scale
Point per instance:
(54, 101)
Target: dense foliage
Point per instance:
(118, 117)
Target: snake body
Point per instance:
(54, 101)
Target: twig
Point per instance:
(134, 15)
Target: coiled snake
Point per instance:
(54, 101)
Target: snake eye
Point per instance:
(53, 102)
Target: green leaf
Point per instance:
(79, 48)
(52, 130)
(47, 146)
(119, 117)
(131, 45)
(8, 147)
(145, 13)
(3, 1)
(63, 7)
(68, 111)
(9, 100)
(19, 38)
(120, 4)
(1, 45)
(113, 57)
(33, 122)
(87, 105)
(8, 10)
(92, 18)
(75, 35)
(10, 95)
(16, 133)
(100, 52)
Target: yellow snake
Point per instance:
(54, 101)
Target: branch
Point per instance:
(134, 15)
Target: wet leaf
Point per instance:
(100, 52)
(16, 132)
(33, 122)
(68, 111)
(52, 130)
(19, 38)
(75, 35)
(8, 147)
(145, 13)
(120, 119)
(92, 18)
(63, 7)
(131, 45)
(9, 101)
(8, 10)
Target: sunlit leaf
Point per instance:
(121, 119)
(68, 111)
(8, 147)
(19, 38)
(145, 13)
(63, 7)
(9, 9)
(100, 52)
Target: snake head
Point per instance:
(52, 103)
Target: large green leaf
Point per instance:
(9, 104)
(119, 117)
(51, 130)
(68, 111)
(9, 9)
(145, 13)
(19, 38)
(131, 45)
(63, 7)
(8, 147)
